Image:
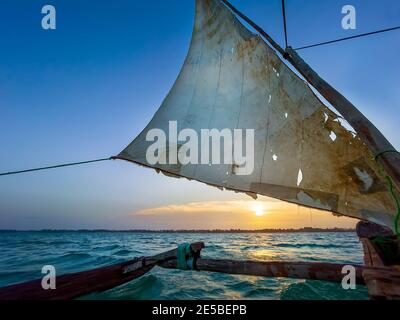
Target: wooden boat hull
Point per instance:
(381, 283)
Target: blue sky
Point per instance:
(85, 90)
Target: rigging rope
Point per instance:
(55, 167)
(397, 201)
(284, 22)
(185, 258)
(380, 154)
(347, 38)
(391, 189)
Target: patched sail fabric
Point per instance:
(232, 79)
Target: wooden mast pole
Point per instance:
(380, 147)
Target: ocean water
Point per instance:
(23, 254)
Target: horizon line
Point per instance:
(275, 230)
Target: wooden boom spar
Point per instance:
(275, 269)
(379, 146)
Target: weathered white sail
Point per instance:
(232, 80)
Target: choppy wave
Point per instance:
(309, 245)
(123, 252)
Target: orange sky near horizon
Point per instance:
(245, 214)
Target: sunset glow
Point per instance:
(245, 214)
(259, 210)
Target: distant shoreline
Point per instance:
(302, 230)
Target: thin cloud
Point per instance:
(238, 206)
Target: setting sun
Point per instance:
(259, 210)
